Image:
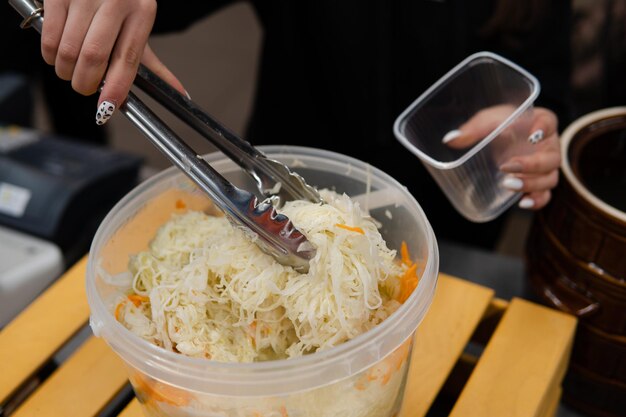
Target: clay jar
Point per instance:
(576, 255)
(579, 240)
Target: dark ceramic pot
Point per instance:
(576, 255)
(577, 247)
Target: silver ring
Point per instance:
(33, 15)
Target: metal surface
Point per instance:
(273, 232)
(273, 178)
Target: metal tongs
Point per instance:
(273, 232)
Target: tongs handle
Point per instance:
(276, 233)
(234, 147)
(266, 172)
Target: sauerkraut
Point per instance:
(204, 289)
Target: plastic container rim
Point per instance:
(204, 369)
(400, 121)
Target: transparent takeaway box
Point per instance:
(483, 85)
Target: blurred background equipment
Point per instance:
(27, 266)
(59, 190)
(54, 193)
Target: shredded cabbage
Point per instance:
(205, 290)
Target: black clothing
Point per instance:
(335, 75)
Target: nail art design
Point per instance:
(513, 183)
(526, 203)
(451, 135)
(104, 113)
(536, 136)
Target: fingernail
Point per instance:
(187, 94)
(512, 167)
(513, 183)
(451, 135)
(526, 203)
(105, 111)
(536, 136)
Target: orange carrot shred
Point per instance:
(409, 273)
(408, 283)
(350, 228)
(404, 253)
(360, 386)
(385, 379)
(138, 299)
(180, 204)
(156, 391)
(117, 311)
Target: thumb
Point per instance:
(151, 61)
(461, 138)
(477, 127)
(468, 133)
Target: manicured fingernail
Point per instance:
(451, 135)
(536, 136)
(526, 203)
(513, 183)
(187, 94)
(105, 111)
(512, 167)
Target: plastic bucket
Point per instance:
(363, 377)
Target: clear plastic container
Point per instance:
(363, 377)
(502, 94)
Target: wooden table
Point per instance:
(481, 355)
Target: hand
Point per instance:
(88, 41)
(534, 174)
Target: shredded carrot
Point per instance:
(385, 379)
(283, 411)
(151, 389)
(117, 310)
(408, 283)
(410, 273)
(359, 385)
(404, 252)
(180, 204)
(138, 299)
(350, 228)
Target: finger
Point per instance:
(151, 61)
(535, 201)
(466, 136)
(544, 125)
(477, 127)
(52, 30)
(531, 184)
(76, 26)
(96, 51)
(546, 158)
(125, 59)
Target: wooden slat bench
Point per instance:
(525, 350)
